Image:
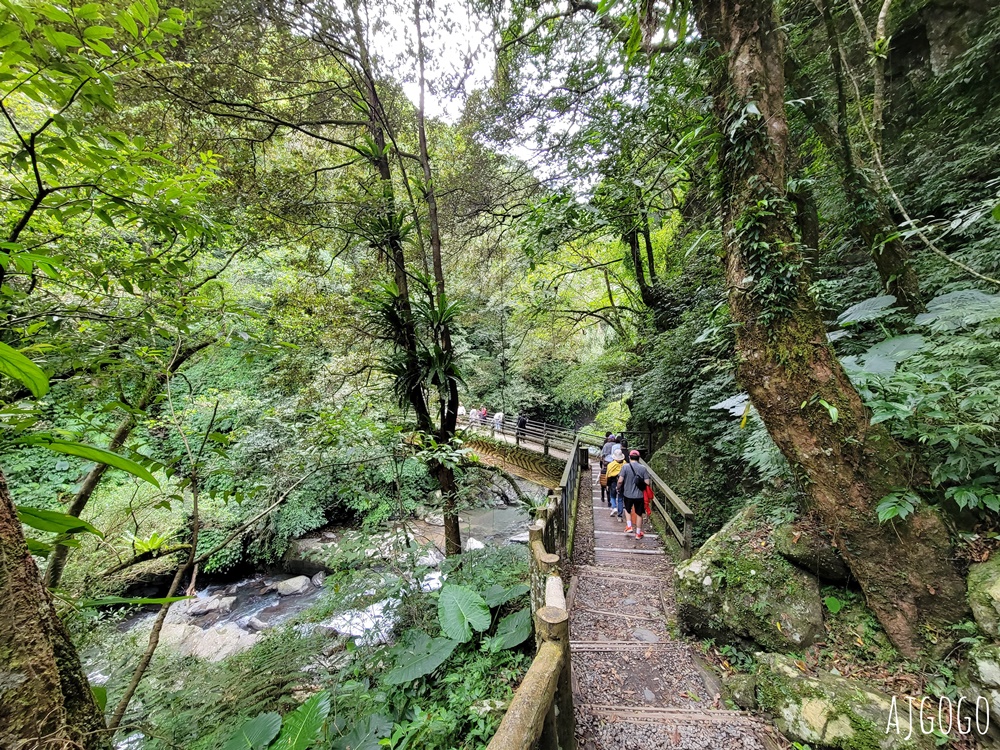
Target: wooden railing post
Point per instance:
(553, 625)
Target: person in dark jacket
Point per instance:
(632, 481)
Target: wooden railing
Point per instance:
(541, 712)
(683, 532)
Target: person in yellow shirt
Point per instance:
(614, 469)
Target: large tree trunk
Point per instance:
(45, 699)
(448, 417)
(846, 465)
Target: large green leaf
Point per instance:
(50, 520)
(302, 725)
(897, 348)
(91, 453)
(497, 595)
(869, 309)
(420, 656)
(15, 365)
(460, 610)
(255, 734)
(365, 735)
(513, 630)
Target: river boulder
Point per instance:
(294, 586)
(737, 588)
(983, 585)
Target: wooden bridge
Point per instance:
(610, 671)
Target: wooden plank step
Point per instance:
(596, 571)
(627, 551)
(662, 715)
(622, 533)
(592, 646)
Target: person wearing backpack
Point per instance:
(632, 482)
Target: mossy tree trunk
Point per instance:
(845, 464)
(45, 699)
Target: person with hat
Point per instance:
(632, 482)
(614, 496)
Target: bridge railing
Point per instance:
(683, 527)
(545, 435)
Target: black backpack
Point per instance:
(640, 480)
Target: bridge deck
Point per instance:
(636, 683)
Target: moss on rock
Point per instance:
(983, 586)
(828, 711)
(737, 588)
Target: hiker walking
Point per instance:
(522, 425)
(615, 499)
(632, 482)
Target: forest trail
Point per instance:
(636, 684)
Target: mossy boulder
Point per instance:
(737, 588)
(984, 595)
(805, 547)
(827, 711)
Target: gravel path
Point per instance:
(636, 683)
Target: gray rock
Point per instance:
(983, 585)
(472, 543)
(293, 586)
(802, 546)
(431, 558)
(742, 689)
(646, 636)
(256, 624)
(213, 604)
(521, 538)
(833, 712)
(434, 519)
(648, 695)
(737, 589)
(213, 644)
(985, 662)
(318, 580)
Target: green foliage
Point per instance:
(15, 365)
(461, 611)
(255, 734)
(300, 729)
(418, 655)
(833, 604)
(937, 391)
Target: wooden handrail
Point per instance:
(662, 489)
(524, 720)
